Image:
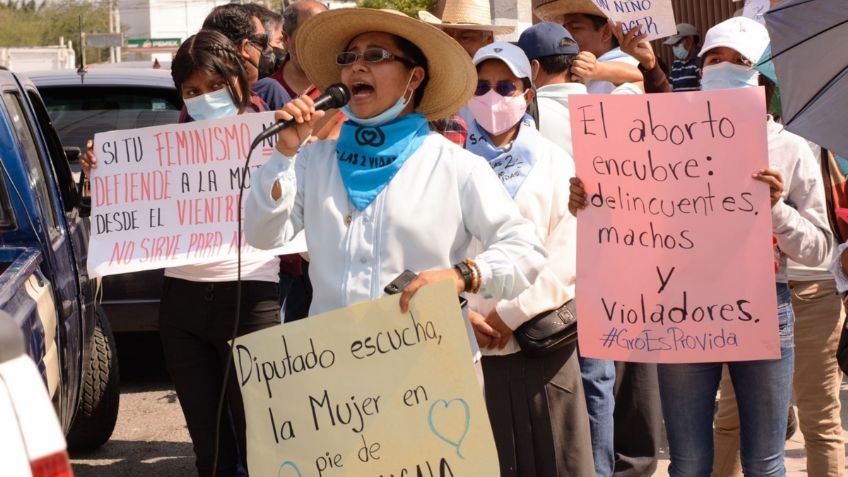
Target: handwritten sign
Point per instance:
(168, 195)
(754, 9)
(366, 391)
(654, 17)
(675, 257)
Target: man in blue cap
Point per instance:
(551, 50)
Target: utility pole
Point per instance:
(117, 30)
(111, 30)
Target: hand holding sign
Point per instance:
(654, 17)
(667, 188)
(634, 44)
(366, 390)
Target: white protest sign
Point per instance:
(367, 391)
(166, 196)
(654, 17)
(754, 9)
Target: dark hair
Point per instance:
(290, 16)
(771, 90)
(598, 22)
(214, 53)
(416, 57)
(233, 20)
(269, 18)
(555, 64)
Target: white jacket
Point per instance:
(424, 219)
(799, 220)
(543, 199)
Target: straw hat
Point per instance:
(554, 10)
(452, 77)
(466, 15)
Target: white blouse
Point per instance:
(425, 218)
(543, 199)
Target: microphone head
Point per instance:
(339, 93)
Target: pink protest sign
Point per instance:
(168, 195)
(674, 252)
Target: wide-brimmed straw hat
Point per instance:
(452, 77)
(466, 15)
(554, 10)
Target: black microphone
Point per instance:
(335, 96)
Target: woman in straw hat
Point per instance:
(388, 195)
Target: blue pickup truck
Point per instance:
(44, 284)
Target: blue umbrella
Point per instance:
(808, 42)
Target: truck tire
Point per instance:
(97, 411)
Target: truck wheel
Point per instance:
(98, 404)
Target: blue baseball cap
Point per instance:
(547, 39)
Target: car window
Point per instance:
(7, 218)
(64, 177)
(79, 112)
(37, 176)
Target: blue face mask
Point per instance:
(680, 51)
(215, 105)
(728, 75)
(386, 116)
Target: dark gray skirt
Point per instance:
(538, 414)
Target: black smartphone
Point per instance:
(398, 284)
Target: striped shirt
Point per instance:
(685, 75)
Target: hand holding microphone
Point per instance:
(297, 118)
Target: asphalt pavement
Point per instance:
(151, 440)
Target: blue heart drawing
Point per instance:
(290, 465)
(446, 404)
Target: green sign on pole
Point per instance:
(153, 42)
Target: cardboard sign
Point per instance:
(654, 17)
(168, 195)
(675, 262)
(366, 390)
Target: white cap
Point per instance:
(510, 54)
(683, 30)
(742, 34)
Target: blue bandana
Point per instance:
(369, 156)
(512, 165)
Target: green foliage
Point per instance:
(410, 7)
(42, 25)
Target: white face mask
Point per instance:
(215, 105)
(680, 51)
(726, 75)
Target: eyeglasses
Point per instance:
(260, 40)
(371, 55)
(503, 88)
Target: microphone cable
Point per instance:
(229, 362)
(336, 95)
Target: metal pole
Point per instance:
(118, 30)
(111, 30)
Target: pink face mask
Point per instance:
(496, 113)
